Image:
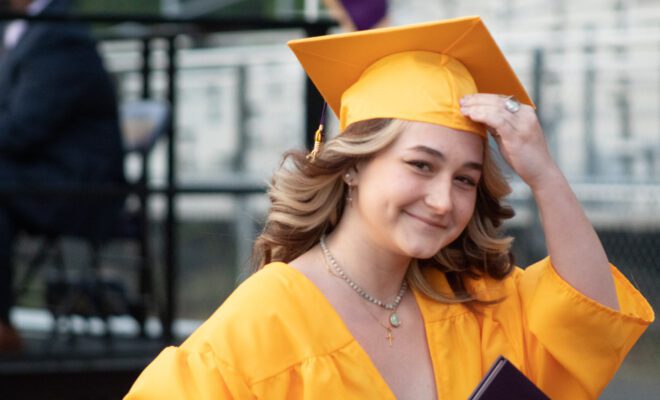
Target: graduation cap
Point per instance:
(415, 72)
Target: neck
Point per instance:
(377, 270)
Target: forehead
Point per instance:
(450, 142)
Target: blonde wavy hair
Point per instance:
(307, 200)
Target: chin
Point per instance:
(426, 247)
(423, 255)
(422, 250)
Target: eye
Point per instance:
(467, 180)
(420, 165)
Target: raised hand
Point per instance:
(518, 134)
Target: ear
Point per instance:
(354, 172)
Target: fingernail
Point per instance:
(462, 100)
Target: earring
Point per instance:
(349, 195)
(349, 180)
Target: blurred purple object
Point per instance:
(365, 13)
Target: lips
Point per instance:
(427, 221)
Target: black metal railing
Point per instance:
(169, 29)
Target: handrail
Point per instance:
(102, 190)
(214, 24)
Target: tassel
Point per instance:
(318, 139)
(318, 136)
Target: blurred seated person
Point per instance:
(58, 126)
(358, 15)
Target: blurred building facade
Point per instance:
(593, 67)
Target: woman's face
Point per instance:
(418, 195)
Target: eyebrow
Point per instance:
(439, 155)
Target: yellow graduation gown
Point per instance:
(277, 337)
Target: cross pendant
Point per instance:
(389, 336)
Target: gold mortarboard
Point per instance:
(416, 72)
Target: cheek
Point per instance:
(390, 191)
(465, 207)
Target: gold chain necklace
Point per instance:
(388, 329)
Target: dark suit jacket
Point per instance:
(58, 124)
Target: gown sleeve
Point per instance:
(573, 344)
(179, 374)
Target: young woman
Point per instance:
(382, 271)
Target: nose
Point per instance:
(439, 198)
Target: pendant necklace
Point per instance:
(394, 319)
(388, 329)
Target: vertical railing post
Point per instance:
(146, 270)
(145, 71)
(243, 223)
(171, 242)
(536, 242)
(537, 81)
(589, 97)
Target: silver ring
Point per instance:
(512, 105)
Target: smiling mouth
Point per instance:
(426, 220)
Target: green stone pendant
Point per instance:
(394, 320)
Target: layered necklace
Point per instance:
(394, 320)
